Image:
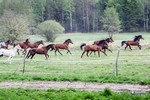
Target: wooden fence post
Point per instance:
(116, 67)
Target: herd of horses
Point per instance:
(30, 49)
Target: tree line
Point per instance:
(82, 15)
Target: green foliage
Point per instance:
(66, 94)
(13, 26)
(111, 22)
(50, 29)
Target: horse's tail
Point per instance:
(82, 45)
(123, 42)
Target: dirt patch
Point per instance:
(45, 85)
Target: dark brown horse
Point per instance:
(88, 48)
(35, 44)
(23, 44)
(65, 46)
(42, 50)
(135, 42)
(5, 44)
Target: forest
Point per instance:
(80, 15)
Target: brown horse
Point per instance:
(65, 46)
(42, 50)
(5, 44)
(35, 44)
(24, 45)
(89, 48)
(135, 42)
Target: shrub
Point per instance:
(49, 29)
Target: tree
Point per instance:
(111, 22)
(13, 26)
(49, 29)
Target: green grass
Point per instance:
(134, 66)
(68, 94)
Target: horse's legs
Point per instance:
(104, 53)
(130, 47)
(46, 56)
(32, 55)
(18, 52)
(59, 51)
(68, 51)
(126, 47)
(98, 53)
(55, 52)
(140, 47)
(109, 50)
(87, 53)
(83, 54)
(9, 59)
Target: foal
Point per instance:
(43, 50)
(65, 46)
(135, 42)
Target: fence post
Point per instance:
(24, 64)
(116, 67)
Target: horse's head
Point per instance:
(68, 41)
(137, 38)
(141, 37)
(110, 39)
(27, 41)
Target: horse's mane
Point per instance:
(66, 40)
(101, 41)
(49, 46)
(136, 37)
(27, 40)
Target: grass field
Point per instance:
(134, 66)
(68, 94)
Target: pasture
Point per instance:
(134, 66)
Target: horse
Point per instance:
(94, 48)
(135, 42)
(9, 53)
(65, 46)
(35, 44)
(104, 44)
(42, 50)
(5, 44)
(23, 44)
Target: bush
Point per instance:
(49, 29)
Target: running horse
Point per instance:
(35, 44)
(88, 48)
(65, 46)
(42, 50)
(135, 42)
(24, 45)
(105, 47)
(5, 44)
